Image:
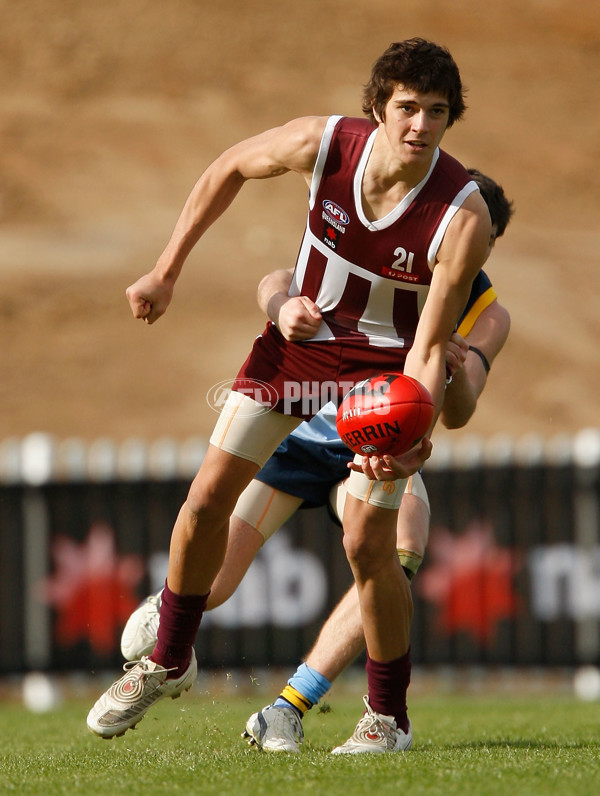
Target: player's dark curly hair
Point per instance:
(501, 209)
(419, 65)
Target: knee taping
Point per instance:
(410, 562)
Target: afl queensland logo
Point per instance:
(336, 213)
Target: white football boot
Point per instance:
(141, 630)
(125, 703)
(377, 734)
(275, 729)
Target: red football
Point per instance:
(389, 413)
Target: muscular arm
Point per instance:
(460, 257)
(293, 147)
(489, 333)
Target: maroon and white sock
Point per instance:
(388, 683)
(180, 616)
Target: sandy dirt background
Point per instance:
(110, 111)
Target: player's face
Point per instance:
(415, 123)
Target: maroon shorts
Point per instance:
(298, 379)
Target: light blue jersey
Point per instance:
(321, 430)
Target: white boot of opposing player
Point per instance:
(141, 630)
(125, 703)
(275, 729)
(375, 733)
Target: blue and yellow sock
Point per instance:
(303, 690)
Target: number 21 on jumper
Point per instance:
(404, 261)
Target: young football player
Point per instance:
(309, 470)
(396, 233)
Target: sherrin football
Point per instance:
(388, 413)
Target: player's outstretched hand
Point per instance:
(298, 318)
(389, 468)
(149, 297)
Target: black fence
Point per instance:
(511, 576)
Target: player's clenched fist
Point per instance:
(149, 297)
(298, 318)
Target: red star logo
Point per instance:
(331, 233)
(92, 589)
(470, 580)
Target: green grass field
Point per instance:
(463, 745)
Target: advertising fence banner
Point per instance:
(511, 575)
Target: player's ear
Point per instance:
(378, 117)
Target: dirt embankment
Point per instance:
(110, 112)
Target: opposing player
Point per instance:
(396, 233)
(301, 473)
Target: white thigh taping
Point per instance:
(384, 494)
(413, 486)
(249, 430)
(265, 508)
